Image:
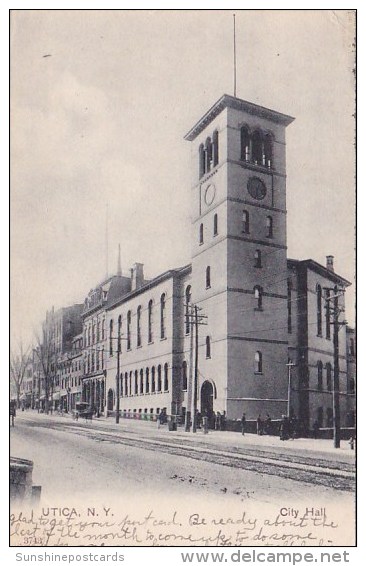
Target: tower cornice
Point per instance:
(227, 101)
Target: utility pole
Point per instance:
(289, 365)
(195, 320)
(336, 325)
(195, 386)
(190, 375)
(118, 370)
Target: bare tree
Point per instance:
(19, 360)
(45, 352)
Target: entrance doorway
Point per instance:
(207, 396)
(110, 400)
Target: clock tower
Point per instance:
(239, 260)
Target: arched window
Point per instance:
(162, 316)
(141, 381)
(187, 309)
(139, 325)
(329, 377)
(320, 376)
(208, 152)
(129, 330)
(245, 144)
(352, 385)
(166, 377)
(130, 383)
(111, 337)
(258, 295)
(268, 151)
(201, 234)
(215, 148)
(103, 329)
(257, 258)
(119, 341)
(121, 385)
(215, 225)
(319, 309)
(208, 347)
(289, 307)
(159, 378)
(98, 330)
(153, 386)
(327, 313)
(245, 222)
(150, 321)
(184, 376)
(201, 157)
(126, 384)
(258, 365)
(269, 226)
(136, 382)
(257, 148)
(208, 277)
(147, 384)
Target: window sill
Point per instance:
(163, 338)
(259, 309)
(208, 357)
(209, 287)
(139, 346)
(257, 165)
(200, 243)
(150, 342)
(258, 373)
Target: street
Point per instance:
(99, 461)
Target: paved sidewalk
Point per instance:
(220, 439)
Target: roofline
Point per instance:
(228, 101)
(152, 283)
(321, 269)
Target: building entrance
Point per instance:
(110, 400)
(207, 396)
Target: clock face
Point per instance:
(256, 188)
(210, 193)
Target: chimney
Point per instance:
(330, 263)
(137, 276)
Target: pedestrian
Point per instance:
(218, 421)
(223, 421)
(243, 423)
(13, 411)
(352, 441)
(259, 425)
(198, 419)
(284, 428)
(268, 424)
(293, 427)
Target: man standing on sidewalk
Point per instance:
(243, 423)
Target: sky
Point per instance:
(100, 104)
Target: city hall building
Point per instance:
(255, 309)
(242, 328)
